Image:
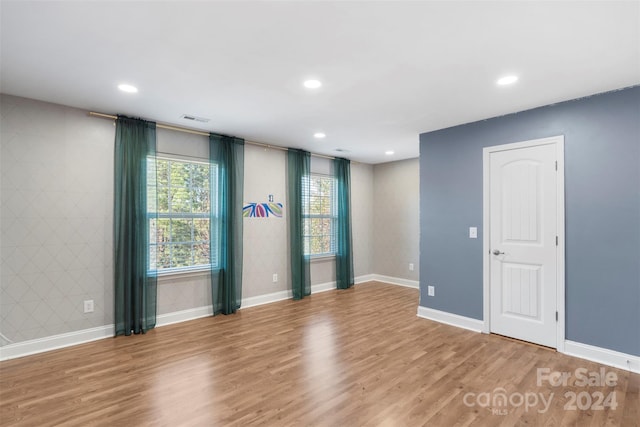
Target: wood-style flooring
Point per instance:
(359, 357)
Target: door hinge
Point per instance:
(556, 240)
(556, 316)
(556, 165)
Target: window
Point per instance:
(179, 224)
(320, 220)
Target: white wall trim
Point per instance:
(613, 358)
(364, 278)
(183, 315)
(396, 281)
(54, 342)
(323, 287)
(583, 351)
(282, 295)
(265, 299)
(474, 325)
(601, 355)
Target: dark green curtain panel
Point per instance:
(226, 157)
(135, 283)
(344, 254)
(298, 176)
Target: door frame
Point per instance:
(558, 141)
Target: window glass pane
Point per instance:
(200, 200)
(164, 230)
(326, 227)
(153, 232)
(181, 255)
(201, 230)
(163, 200)
(201, 254)
(180, 200)
(163, 256)
(200, 176)
(181, 230)
(325, 209)
(162, 172)
(180, 172)
(314, 204)
(152, 200)
(316, 227)
(316, 244)
(151, 171)
(325, 244)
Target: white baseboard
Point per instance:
(265, 299)
(364, 278)
(183, 315)
(601, 355)
(323, 287)
(395, 281)
(474, 325)
(54, 342)
(613, 358)
(584, 351)
(282, 295)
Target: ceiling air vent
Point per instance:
(194, 118)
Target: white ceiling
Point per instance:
(390, 70)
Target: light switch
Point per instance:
(473, 232)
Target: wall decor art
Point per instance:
(262, 210)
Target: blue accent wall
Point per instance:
(602, 213)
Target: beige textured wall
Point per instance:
(265, 243)
(362, 218)
(56, 222)
(396, 219)
(55, 219)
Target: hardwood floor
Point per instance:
(358, 357)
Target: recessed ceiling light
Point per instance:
(389, 153)
(507, 80)
(319, 135)
(312, 84)
(127, 88)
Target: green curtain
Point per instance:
(298, 175)
(226, 158)
(344, 255)
(134, 270)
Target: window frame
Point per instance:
(333, 217)
(213, 205)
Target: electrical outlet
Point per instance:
(431, 291)
(410, 266)
(88, 306)
(275, 277)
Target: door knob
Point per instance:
(497, 252)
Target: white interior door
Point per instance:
(523, 242)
